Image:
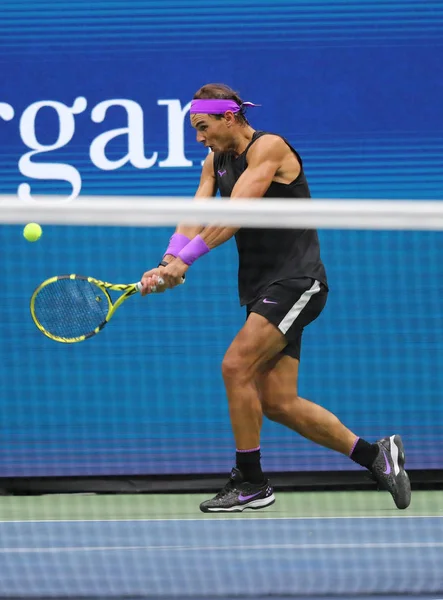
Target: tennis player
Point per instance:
(282, 282)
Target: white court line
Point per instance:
(57, 549)
(233, 517)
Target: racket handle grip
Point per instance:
(159, 282)
(153, 290)
(140, 287)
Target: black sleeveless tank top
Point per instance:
(270, 255)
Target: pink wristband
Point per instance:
(177, 242)
(196, 248)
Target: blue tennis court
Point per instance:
(223, 557)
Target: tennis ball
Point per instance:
(32, 232)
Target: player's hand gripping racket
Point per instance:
(73, 308)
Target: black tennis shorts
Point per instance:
(290, 305)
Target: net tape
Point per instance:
(166, 211)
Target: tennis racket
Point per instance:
(73, 308)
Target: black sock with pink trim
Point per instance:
(248, 462)
(364, 453)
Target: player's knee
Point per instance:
(234, 367)
(277, 407)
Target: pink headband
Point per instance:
(217, 106)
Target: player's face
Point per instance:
(211, 132)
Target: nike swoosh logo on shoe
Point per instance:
(388, 466)
(245, 498)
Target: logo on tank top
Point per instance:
(221, 173)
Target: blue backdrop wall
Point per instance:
(93, 100)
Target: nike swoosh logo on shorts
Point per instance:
(388, 466)
(245, 498)
(266, 301)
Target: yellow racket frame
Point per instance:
(127, 289)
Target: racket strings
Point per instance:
(71, 308)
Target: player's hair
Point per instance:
(222, 91)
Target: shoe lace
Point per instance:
(226, 489)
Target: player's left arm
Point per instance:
(265, 158)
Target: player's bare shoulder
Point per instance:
(269, 145)
(273, 148)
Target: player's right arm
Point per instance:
(207, 189)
